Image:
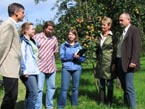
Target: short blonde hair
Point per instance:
(107, 20)
(25, 26)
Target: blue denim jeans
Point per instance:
(50, 89)
(31, 91)
(66, 75)
(126, 79)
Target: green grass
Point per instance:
(88, 97)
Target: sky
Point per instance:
(33, 12)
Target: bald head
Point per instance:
(124, 20)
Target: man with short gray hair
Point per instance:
(128, 51)
(10, 54)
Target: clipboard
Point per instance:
(81, 51)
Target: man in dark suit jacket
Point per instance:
(10, 54)
(128, 50)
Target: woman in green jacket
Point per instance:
(104, 55)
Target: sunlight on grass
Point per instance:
(88, 97)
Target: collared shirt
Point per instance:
(35, 49)
(104, 38)
(125, 31)
(47, 46)
(16, 24)
(119, 47)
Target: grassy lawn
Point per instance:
(88, 95)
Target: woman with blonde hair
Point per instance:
(105, 53)
(29, 67)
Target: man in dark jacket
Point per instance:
(128, 50)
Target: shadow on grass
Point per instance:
(118, 102)
(84, 84)
(19, 105)
(86, 88)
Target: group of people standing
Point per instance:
(118, 58)
(33, 55)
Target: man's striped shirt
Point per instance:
(47, 46)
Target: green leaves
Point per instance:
(86, 17)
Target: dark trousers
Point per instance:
(10, 93)
(102, 85)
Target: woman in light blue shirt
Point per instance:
(29, 67)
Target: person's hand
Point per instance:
(113, 68)
(132, 65)
(113, 72)
(76, 56)
(26, 75)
